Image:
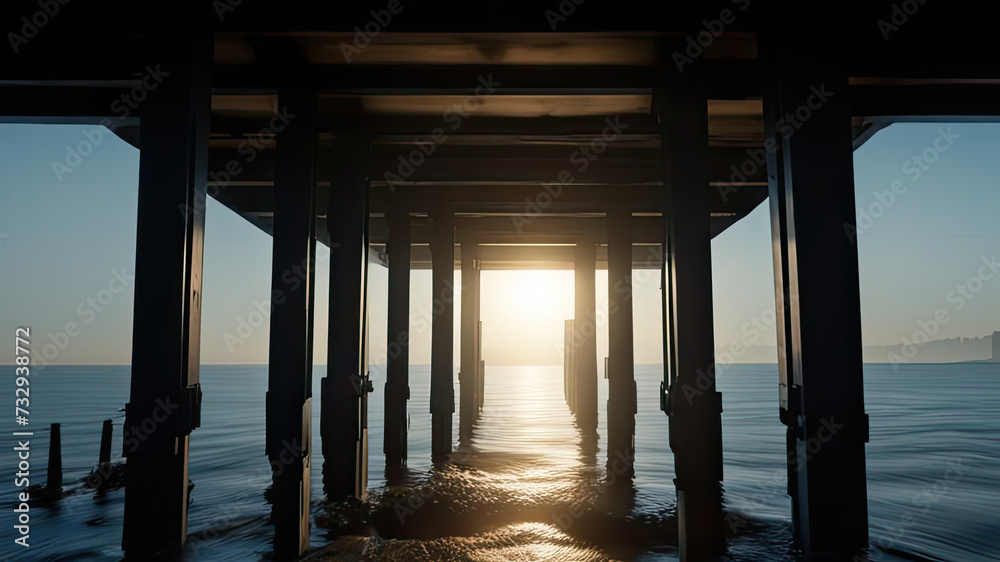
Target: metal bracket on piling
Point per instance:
(362, 384)
(789, 415)
(664, 398)
(191, 409)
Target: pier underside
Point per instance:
(619, 141)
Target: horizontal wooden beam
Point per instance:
(727, 79)
(402, 165)
(513, 229)
(526, 200)
(927, 102)
(511, 257)
(425, 125)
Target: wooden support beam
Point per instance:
(289, 394)
(397, 389)
(469, 382)
(557, 166)
(388, 127)
(168, 280)
(442, 331)
(344, 400)
(569, 364)
(816, 274)
(477, 314)
(482, 362)
(584, 341)
(732, 79)
(53, 471)
(693, 404)
(522, 207)
(926, 102)
(644, 256)
(621, 363)
(779, 253)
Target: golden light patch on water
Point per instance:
(525, 485)
(533, 541)
(540, 482)
(528, 542)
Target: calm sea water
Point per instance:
(527, 486)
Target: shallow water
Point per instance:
(528, 485)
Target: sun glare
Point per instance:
(535, 293)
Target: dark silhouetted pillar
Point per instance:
(811, 182)
(164, 400)
(621, 364)
(442, 330)
(53, 476)
(479, 340)
(290, 363)
(779, 246)
(107, 431)
(569, 364)
(694, 407)
(344, 399)
(469, 366)
(397, 389)
(585, 335)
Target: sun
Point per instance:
(536, 293)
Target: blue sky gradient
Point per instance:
(67, 251)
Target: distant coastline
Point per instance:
(950, 350)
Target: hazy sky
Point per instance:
(67, 250)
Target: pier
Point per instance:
(486, 140)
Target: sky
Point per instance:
(927, 193)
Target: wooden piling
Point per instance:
(585, 336)
(53, 477)
(397, 384)
(105, 455)
(442, 331)
(695, 419)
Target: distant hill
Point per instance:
(954, 350)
